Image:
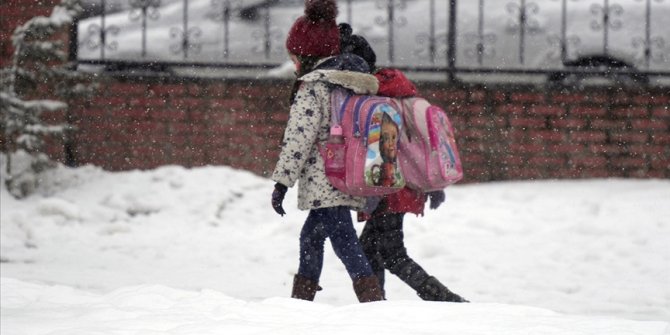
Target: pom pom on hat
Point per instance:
(316, 10)
(315, 34)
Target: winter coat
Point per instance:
(309, 124)
(393, 83)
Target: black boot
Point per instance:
(380, 278)
(370, 242)
(304, 288)
(433, 290)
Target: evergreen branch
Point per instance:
(45, 129)
(43, 51)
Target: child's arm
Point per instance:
(300, 135)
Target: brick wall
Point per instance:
(525, 132)
(145, 123)
(504, 131)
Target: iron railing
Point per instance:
(455, 37)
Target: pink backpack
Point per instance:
(365, 163)
(428, 155)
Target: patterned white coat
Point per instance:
(309, 124)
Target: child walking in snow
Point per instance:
(313, 43)
(382, 237)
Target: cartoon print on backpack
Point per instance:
(383, 135)
(388, 148)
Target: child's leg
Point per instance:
(392, 248)
(396, 260)
(370, 241)
(340, 229)
(312, 238)
(336, 224)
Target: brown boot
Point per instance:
(367, 289)
(304, 288)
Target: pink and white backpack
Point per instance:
(366, 163)
(428, 155)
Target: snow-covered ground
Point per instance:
(200, 251)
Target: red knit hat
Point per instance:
(315, 33)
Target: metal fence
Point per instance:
(549, 37)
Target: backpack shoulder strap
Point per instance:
(407, 106)
(338, 101)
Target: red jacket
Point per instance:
(393, 83)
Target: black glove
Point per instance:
(278, 198)
(436, 199)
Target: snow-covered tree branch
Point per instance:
(37, 74)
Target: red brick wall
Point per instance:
(517, 132)
(504, 131)
(147, 123)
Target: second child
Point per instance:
(383, 237)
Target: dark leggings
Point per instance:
(384, 246)
(334, 223)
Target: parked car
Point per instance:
(512, 36)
